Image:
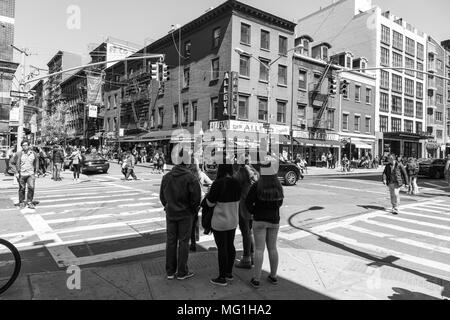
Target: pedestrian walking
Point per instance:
(25, 166)
(412, 169)
(447, 170)
(130, 163)
(58, 160)
(264, 201)
(224, 196)
(180, 195)
(246, 177)
(394, 176)
(76, 160)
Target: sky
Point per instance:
(46, 26)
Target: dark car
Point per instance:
(432, 168)
(94, 163)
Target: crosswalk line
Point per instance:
(440, 206)
(408, 230)
(104, 216)
(84, 198)
(380, 250)
(345, 188)
(84, 203)
(425, 216)
(423, 208)
(401, 240)
(111, 193)
(39, 191)
(421, 223)
(140, 204)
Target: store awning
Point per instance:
(318, 143)
(96, 136)
(361, 145)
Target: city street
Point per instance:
(106, 221)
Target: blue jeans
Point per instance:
(265, 234)
(177, 246)
(24, 182)
(56, 171)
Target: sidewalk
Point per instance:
(6, 181)
(303, 275)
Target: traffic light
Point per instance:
(344, 87)
(333, 86)
(164, 72)
(155, 71)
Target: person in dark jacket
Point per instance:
(264, 201)
(58, 160)
(224, 196)
(180, 195)
(395, 176)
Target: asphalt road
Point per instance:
(105, 220)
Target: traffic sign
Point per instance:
(19, 94)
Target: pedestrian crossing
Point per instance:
(419, 236)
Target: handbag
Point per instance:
(207, 213)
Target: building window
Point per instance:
(245, 33)
(439, 116)
(216, 37)
(409, 63)
(419, 110)
(306, 47)
(439, 134)
(368, 96)
(385, 57)
(176, 115)
(186, 77)
(439, 99)
(396, 125)
(262, 109)
(396, 105)
(384, 102)
(357, 93)
(324, 56)
(215, 109)
(301, 112)
(384, 124)
(385, 35)
(419, 90)
(409, 87)
(215, 69)
(187, 49)
(185, 114)
(397, 42)
(160, 117)
(302, 79)
(420, 75)
(194, 112)
(281, 112)
(348, 62)
(410, 47)
(409, 126)
(243, 107)
(357, 123)
(384, 79)
(152, 119)
(282, 75)
(397, 61)
(108, 105)
(263, 70)
(419, 127)
(368, 125)
(420, 51)
(345, 122)
(409, 108)
(244, 66)
(265, 40)
(397, 83)
(282, 44)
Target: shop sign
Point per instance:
(14, 114)
(251, 127)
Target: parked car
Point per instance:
(94, 163)
(432, 168)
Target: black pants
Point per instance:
(226, 251)
(76, 171)
(177, 246)
(195, 232)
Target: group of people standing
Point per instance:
(240, 196)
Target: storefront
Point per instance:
(312, 150)
(405, 144)
(357, 148)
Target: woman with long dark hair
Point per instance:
(246, 178)
(224, 196)
(264, 201)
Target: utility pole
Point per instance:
(21, 100)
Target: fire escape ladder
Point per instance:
(316, 93)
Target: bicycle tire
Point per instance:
(17, 266)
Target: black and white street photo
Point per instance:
(221, 150)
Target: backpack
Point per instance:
(411, 168)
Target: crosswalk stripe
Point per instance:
(141, 204)
(428, 210)
(440, 206)
(360, 182)
(425, 216)
(84, 203)
(408, 230)
(344, 188)
(401, 240)
(39, 191)
(103, 216)
(109, 225)
(424, 262)
(85, 198)
(420, 223)
(111, 193)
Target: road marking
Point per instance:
(423, 208)
(141, 204)
(401, 240)
(103, 216)
(84, 203)
(64, 190)
(377, 249)
(359, 181)
(420, 223)
(408, 230)
(344, 188)
(440, 206)
(85, 194)
(425, 216)
(435, 185)
(83, 198)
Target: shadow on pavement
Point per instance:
(403, 294)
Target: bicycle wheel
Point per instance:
(10, 264)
